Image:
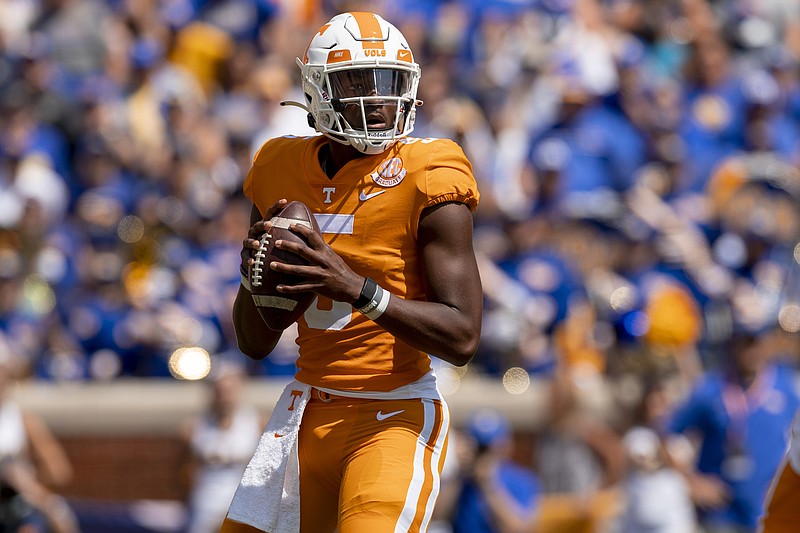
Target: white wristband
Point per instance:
(379, 303)
(246, 282)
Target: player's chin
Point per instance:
(380, 122)
(377, 123)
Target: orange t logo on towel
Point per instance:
(295, 394)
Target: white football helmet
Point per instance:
(360, 82)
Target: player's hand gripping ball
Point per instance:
(280, 310)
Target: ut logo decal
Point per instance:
(295, 395)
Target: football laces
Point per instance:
(257, 268)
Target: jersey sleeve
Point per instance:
(449, 178)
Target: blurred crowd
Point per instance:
(637, 160)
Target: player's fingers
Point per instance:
(314, 239)
(259, 228)
(302, 287)
(250, 243)
(274, 208)
(303, 271)
(300, 249)
(246, 261)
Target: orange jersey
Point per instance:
(369, 214)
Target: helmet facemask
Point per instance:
(368, 107)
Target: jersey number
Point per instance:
(334, 318)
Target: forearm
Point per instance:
(450, 328)
(437, 329)
(253, 337)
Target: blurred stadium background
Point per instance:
(637, 162)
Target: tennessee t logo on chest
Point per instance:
(328, 191)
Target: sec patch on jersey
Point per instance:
(279, 310)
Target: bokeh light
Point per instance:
(516, 380)
(39, 295)
(623, 298)
(789, 318)
(130, 229)
(105, 364)
(190, 363)
(448, 380)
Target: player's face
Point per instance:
(368, 87)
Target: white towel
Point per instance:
(268, 496)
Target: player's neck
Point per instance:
(325, 161)
(333, 156)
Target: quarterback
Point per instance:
(356, 442)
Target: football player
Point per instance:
(396, 280)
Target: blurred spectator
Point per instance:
(656, 495)
(579, 164)
(491, 493)
(657, 498)
(26, 505)
(220, 442)
(578, 450)
(32, 465)
(72, 31)
(740, 416)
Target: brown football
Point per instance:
(279, 310)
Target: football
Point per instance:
(279, 310)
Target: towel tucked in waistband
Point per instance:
(268, 496)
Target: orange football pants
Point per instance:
(782, 507)
(368, 466)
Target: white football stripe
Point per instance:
(338, 224)
(284, 223)
(276, 302)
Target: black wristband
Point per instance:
(367, 293)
